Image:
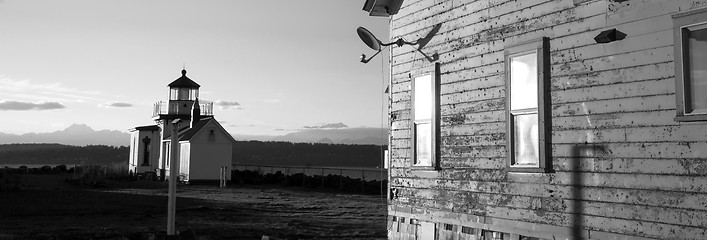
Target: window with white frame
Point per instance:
(527, 68)
(690, 43)
(424, 113)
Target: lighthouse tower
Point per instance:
(183, 94)
(183, 99)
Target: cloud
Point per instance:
(44, 91)
(115, 105)
(24, 106)
(327, 125)
(227, 104)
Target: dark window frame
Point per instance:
(146, 152)
(681, 22)
(542, 48)
(433, 71)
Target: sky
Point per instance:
(271, 67)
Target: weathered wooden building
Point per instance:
(532, 119)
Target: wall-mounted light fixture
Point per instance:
(609, 36)
(371, 41)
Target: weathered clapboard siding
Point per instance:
(617, 223)
(639, 150)
(615, 105)
(680, 166)
(618, 90)
(539, 187)
(638, 134)
(482, 201)
(623, 167)
(615, 120)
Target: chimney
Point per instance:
(195, 113)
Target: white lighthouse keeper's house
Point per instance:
(205, 147)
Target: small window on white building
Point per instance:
(146, 152)
(425, 111)
(527, 68)
(690, 43)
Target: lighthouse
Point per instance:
(205, 147)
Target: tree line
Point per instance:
(38, 153)
(244, 152)
(307, 154)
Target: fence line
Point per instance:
(364, 174)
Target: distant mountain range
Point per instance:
(82, 135)
(360, 135)
(76, 134)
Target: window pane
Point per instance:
(697, 60)
(423, 144)
(525, 136)
(172, 94)
(524, 81)
(183, 94)
(423, 97)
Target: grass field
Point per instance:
(46, 207)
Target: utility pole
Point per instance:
(173, 178)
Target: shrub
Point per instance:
(60, 169)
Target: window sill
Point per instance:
(425, 168)
(691, 118)
(528, 170)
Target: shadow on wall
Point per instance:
(580, 153)
(422, 42)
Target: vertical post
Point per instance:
(173, 174)
(381, 179)
(220, 177)
(287, 174)
(363, 181)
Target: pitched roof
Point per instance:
(188, 134)
(146, 128)
(183, 82)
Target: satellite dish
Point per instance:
(375, 44)
(368, 38)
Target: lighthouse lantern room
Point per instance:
(183, 94)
